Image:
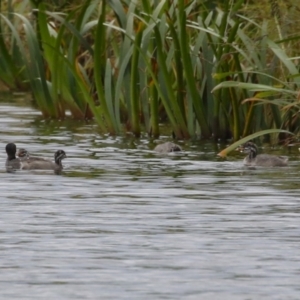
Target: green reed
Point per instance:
(210, 71)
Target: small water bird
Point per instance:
(30, 163)
(262, 160)
(23, 154)
(167, 147)
(12, 163)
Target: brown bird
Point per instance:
(263, 160)
(167, 147)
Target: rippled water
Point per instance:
(124, 223)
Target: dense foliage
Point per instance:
(211, 69)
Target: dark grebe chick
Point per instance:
(262, 160)
(12, 162)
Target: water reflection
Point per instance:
(123, 222)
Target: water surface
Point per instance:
(124, 223)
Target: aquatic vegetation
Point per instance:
(209, 70)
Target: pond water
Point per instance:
(121, 222)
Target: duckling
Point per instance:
(23, 154)
(167, 147)
(263, 160)
(30, 163)
(45, 164)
